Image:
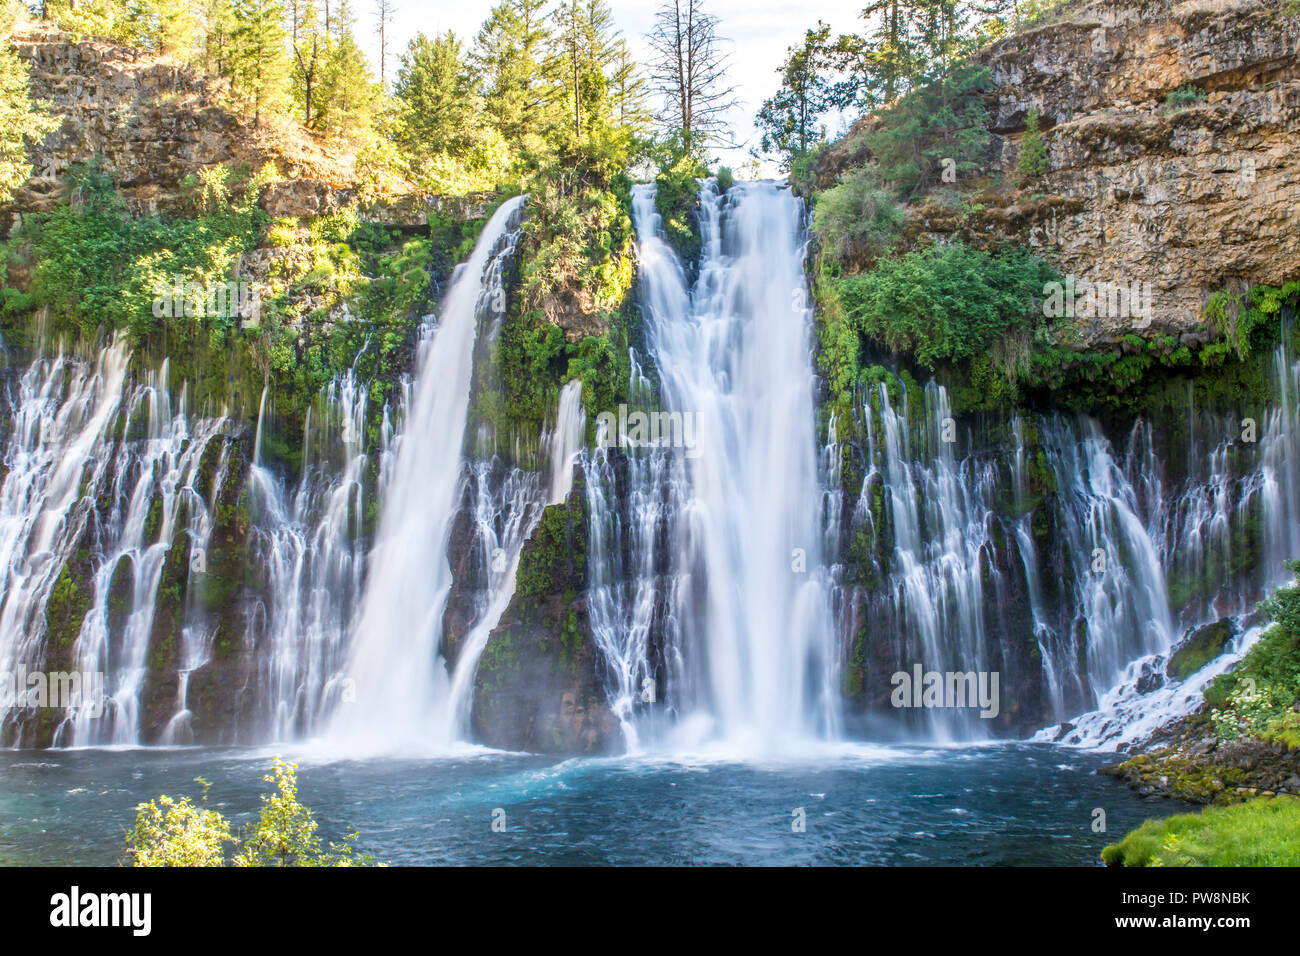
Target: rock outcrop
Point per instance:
(538, 686)
(1191, 196)
(153, 122)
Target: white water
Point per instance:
(752, 666)
(566, 441)
(400, 684)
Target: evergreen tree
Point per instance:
(1033, 160)
(585, 44)
(218, 26)
(310, 45)
(259, 61)
(346, 97)
(435, 85)
(21, 121)
(509, 56)
(789, 119)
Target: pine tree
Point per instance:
(1033, 160)
(346, 102)
(789, 118)
(310, 45)
(890, 52)
(436, 88)
(259, 62)
(218, 25)
(509, 55)
(21, 121)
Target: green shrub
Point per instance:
(947, 303)
(1033, 161)
(1185, 96)
(677, 198)
(1258, 698)
(857, 220)
(170, 832)
(947, 119)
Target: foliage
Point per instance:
(943, 120)
(789, 119)
(1260, 832)
(857, 219)
(1245, 320)
(677, 191)
(1184, 96)
(95, 266)
(440, 129)
(1259, 697)
(1033, 161)
(22, 122)
(947, 303)
(170, 832)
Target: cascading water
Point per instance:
(400, 689)
(311, 545)
(101, 474)
(748, 652)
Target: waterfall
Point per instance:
(309, 542)
(566, 441)
(1223, 532)
(399, 683)
(746, 658)
(101, 476)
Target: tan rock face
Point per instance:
(1186, 200)
(151, 122)
(1189, 200)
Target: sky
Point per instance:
(759, 30)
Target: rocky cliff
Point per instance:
(1192, 194)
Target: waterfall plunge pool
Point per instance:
(995, 804)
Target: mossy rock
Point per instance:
(1199, 648)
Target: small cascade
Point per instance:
(310, 544)
(943, 567)
(1117, 601)
(155, 491)
(399, 683)
(1222, 534)
(564, 443)
(104, 478)
(632, 504)
(62, 410)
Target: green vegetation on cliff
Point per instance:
(1260, 697)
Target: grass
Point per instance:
(1261, 832)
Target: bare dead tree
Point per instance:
(689, 70)
(384, 10)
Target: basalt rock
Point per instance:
(538, 686)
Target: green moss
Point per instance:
(1260, 832)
